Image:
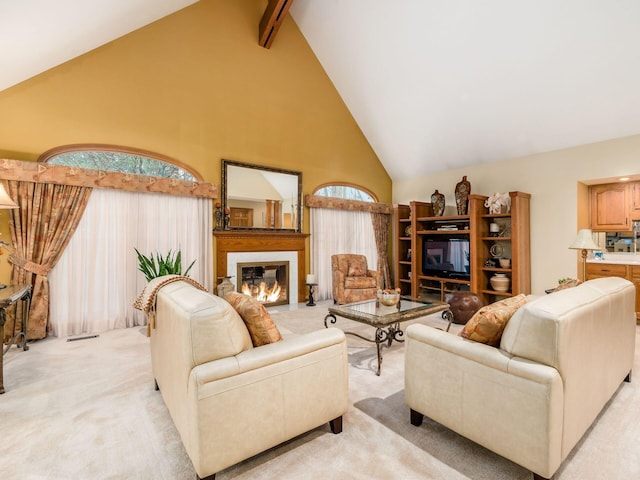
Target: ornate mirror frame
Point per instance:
(260, 198)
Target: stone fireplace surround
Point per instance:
(233, 246)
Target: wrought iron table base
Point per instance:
(387, 335)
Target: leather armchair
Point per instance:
(230, 400)
(561, 358)
(352, 280)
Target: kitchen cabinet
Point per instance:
(635, 200)
(634, 276)
(610, 206)
(630, 272)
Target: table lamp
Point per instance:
(584, 242)
(5, 203)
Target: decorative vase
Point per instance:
(437, 201)
(225, 286)
(500, 282)
(463, 189)
(219, 217)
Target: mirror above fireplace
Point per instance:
(261, 198)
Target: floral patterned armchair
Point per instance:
(352, 280)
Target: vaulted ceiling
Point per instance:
(433, 84)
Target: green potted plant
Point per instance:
(157, 266)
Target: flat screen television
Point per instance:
(446, 258)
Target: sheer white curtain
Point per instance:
(96, 280)
(339, 231)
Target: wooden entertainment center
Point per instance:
(416, 230)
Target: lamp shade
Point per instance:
(5, 199)
(584, 241)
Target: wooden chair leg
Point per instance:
(540, 477)
(210, 477)
(336, 425)
(416, 418)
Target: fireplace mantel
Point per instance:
(230, 241)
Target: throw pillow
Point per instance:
(487, 324)
(572, 282)
(357, 268)
(258, 321)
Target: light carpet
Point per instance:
(88, 409)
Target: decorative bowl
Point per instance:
(505, 263)
(388, 299)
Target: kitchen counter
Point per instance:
(618, 258)
(625, 265)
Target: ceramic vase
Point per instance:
(225, 286)
(463, 189)
(437, 202)
(500, 282)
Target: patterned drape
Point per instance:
(381, 223)
(83, 177)
(40, 230)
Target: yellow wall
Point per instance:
(555, 181)
(196, 86)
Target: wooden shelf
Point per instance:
(419, 215)
(496, 293)
(443, 232)
(445, 219)
(445, 280)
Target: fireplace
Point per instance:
(267, 282)
(233, 247)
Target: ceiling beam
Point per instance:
(271, 20)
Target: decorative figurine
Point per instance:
(498, 203)
(219, 218)
(227, 218)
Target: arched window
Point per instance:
(114, 158)
(345, 191)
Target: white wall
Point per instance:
(552, 180)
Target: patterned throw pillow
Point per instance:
(487, 324)
(572, 282)
(360, 282)
(258, 321)
(357, 268)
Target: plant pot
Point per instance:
(225, 286)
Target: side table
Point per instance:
(8, 296)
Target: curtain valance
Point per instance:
(344, 204)
(82, 177)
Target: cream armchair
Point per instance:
(352, 280)
(230, 400)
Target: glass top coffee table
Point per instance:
(386, 320)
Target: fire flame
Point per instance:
(262, 293)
